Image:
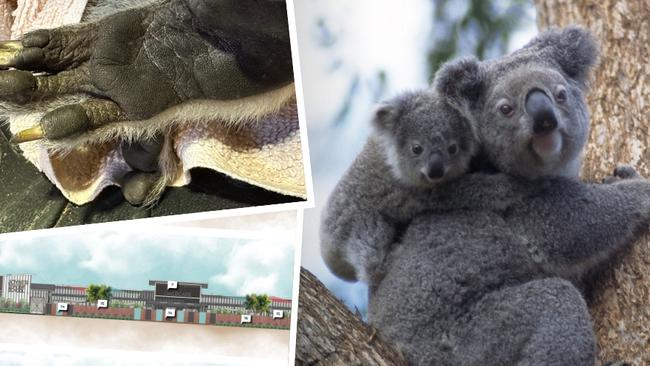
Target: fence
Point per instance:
(181, 316)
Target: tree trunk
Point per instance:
(329, 334)
(619, 101)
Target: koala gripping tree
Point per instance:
(620, 134)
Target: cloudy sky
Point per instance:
(232, 262)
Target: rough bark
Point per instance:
(329, 334)
(620, 134)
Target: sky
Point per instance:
(232, 262)
(344, 46)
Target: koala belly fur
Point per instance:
(459, 287)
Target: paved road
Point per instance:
(66, 332)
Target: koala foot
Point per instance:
(50, 49)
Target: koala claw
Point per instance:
(70, 119)
(8, 52)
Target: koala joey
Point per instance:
(480, 286)
(412, 162)
(418, 142)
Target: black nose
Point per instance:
(540, 108)
(435, 169)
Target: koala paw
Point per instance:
(622, 172)
(626, 172)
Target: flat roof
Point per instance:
(155, 282)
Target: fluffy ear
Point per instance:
(460, 81)
(573, 48)
(386, 116)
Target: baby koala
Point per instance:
(419, 143)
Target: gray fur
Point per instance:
(472, 284)
(451, 291)
(387, 183)
(385, 187)
(555, 59)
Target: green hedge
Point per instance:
(101, 316)
(21, 310)
(265, 326)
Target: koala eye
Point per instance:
(452, 149)
(417, 149)
(560, 95)
(506, 110)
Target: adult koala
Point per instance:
(528, 107)
(499, 287)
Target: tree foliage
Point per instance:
(98, 292)
(257, 303)
(483, 29)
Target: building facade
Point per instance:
(165, 294)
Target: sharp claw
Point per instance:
(59, 123)
(30, 134)
(8, 52)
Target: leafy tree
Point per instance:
(483, 30)
(257, 303)
(98, 292)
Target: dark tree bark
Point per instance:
(620, 134)
(329, 334)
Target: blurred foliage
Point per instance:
(460, 28)
(98, 292)
(258, 303)
(476, 27)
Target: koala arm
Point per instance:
(573, 227)
(359, 222)
(354, 241)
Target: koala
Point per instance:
(418, 143)
(528, 108)
(414, 160)
(484, 286)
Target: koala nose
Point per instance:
(540, 108)
(435, 169)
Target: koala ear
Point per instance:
(460, 81)
(386, 116)
(573, 48)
